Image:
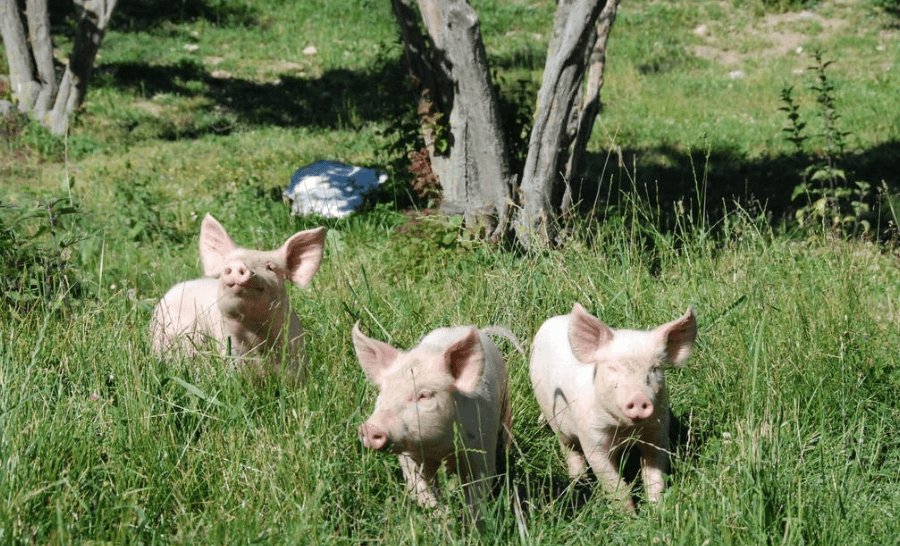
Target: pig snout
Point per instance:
(638, 406)
(373, 437)
(236, 274)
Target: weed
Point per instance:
(35, 259)
(833, 197)
(426, 236)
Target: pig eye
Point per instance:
(270, 266)
(425, 395)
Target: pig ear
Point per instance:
(587, 334)
(302, 254)
(374, 356)
(679, 336)
(465, 361)
(215, 245)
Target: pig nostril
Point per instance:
(639, 407)
(373, 437)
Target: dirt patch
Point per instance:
(774, 35)
(150, 107)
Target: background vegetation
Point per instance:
(725, 173)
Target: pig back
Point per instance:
(483, 409)
(494, 375)
(562, 385)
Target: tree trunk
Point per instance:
(21, 76)
(543, 185)
(469, 157)
(590, 106)
(42, 49)
(32, 72)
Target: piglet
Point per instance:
(443, 402)
(242, 302)
(600, 388)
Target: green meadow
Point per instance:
(786, 417)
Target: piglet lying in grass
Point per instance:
(443, 402)
(600, 388)
(242, 302)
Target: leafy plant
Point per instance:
(516, 103)
(833, 197)
(424, 182)
(35, 258)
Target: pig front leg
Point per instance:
(605, 466)
(574, 457)
(420, 480)
(654, 462)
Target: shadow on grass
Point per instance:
(707, 182)
(571, 496)
(710, 182)
(147, 15)
(340, 98)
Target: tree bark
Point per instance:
(469, 156)
(590, 106)
(92, 24)
(42, 49)
(32, 71)
(21, 79)
(543, 188)
(467, 149)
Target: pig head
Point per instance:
(242, 302)
(602, 389)
(443, 402)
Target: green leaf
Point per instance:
(799, 189)
(820, 205)
(197, 392)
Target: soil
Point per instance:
(779, 34)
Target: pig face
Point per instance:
(251, 283)
(416, 407)
(628, 365)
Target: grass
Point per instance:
(787, 414)
(788, 404)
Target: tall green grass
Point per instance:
(787, 411)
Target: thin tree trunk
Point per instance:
(574, 37)
(590, 106)
(42, 49)
(478, 179)
(88, 36)
(469, 158)
(30, 58)
(21, 76)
